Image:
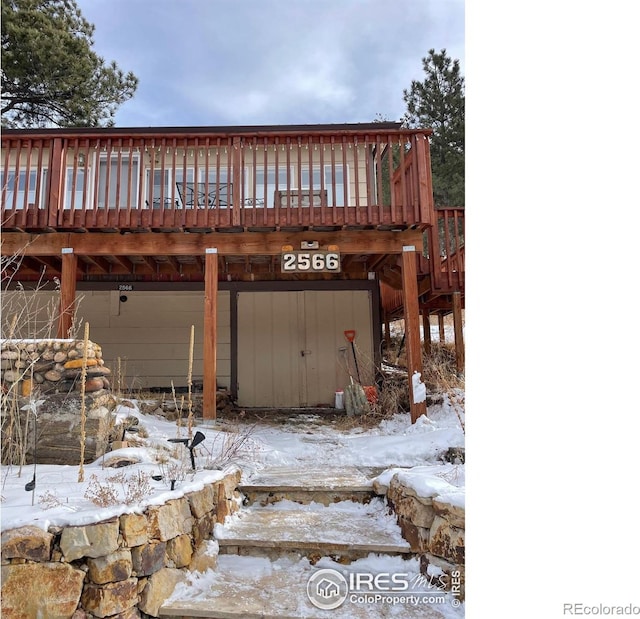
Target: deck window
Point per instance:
(117, 183)
(333, 177)
(18, 188)
(266, 185)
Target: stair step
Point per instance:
(258, 588)
(324, 486)
(345, 531)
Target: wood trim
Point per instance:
(183, 244)
(426, 330)
(457, 331)
(67, 294)
(412, 325)
(210, 335)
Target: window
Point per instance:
(268, 184)
(333, 177)
(18, 188)
(74, 195)
(118, 171)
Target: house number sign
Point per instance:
(316, 261)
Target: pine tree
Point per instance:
(438, 103)
(50, 74)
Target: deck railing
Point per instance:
(178, 180)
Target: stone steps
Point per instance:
(277, 590)
(344, 531)
(310, 486)
(291, 520)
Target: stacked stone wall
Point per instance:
(51, 366)
(435, 529)
(123, 568)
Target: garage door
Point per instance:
(292, 351)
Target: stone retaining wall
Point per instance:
(434, 528)
(123, 568)
(51, 366)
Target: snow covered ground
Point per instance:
(308, 440)
(59, 499)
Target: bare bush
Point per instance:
(119, 488)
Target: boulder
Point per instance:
(46, 590)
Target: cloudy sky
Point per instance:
(231, 62)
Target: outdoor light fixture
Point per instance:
(309, 245)
(197, 439)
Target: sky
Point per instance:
(257, 62)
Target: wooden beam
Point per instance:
(210, 328)
(412, 325)
(67, 293)
(426, 330)
(188, 244)
(52, 264)
(387, 332)
(122, 261)
(441, 327)
(101, 263)
(457, 331)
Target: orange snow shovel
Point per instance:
(351, 335)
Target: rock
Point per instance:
(59, 357)
(44, 590)
(203, 501)
(11, 376)
(94, 540)
(92, 384)
(77, 363)
(417, 510)
(111, 568)
(205, 557)
(110, 599)
(453, 514)
(170, 520)
(446, 541)
(226, 504)
(9, 354)
(26, 387)
(148, 558)
(29, 542)
(179, 551)
(159, 587)
(53, 376)
(134, 529)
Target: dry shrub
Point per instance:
(230, 446)
(440, 372)
(118, 489)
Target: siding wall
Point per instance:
(150, 332)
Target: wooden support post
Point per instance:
(236, 194)
(426, 329)
(55, 182)
(441, 327)
(210, 328)
(387, 333)
(457, 330)
(412, 325)
(67, 292)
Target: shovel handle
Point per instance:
(350, 335)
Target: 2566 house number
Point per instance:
(310, 261)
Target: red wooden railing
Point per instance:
(185, 179)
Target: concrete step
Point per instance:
(323, 486)
(252, 588)
(344, 531)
